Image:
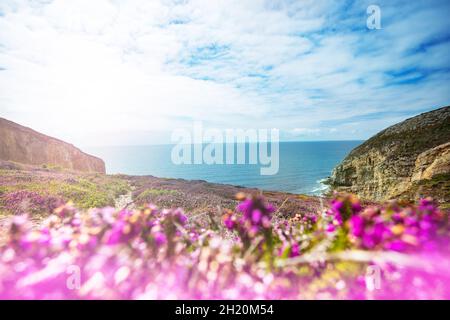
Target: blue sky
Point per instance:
(130, 72)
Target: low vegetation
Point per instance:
(38, 191)
(256, 245)
(348, 251)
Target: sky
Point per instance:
(130, 72)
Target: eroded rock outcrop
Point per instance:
(24, 145)
(432, 162)
(410, 159)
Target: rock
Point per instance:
(395, 161)
(432, 162)
(24, 145)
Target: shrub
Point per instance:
(155, 195)
(86, 195)
(24, 201)
(158, 254)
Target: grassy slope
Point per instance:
(89, 190)
(86, 190)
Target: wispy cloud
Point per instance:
(128, 71)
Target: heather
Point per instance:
(201, 198)
(347, 250)
(161, 196)
(39, 191)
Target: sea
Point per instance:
(303, 166)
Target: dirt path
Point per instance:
(125, 201)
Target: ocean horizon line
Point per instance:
(224, 143)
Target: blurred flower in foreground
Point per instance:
(163, 254)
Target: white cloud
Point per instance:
(95, 72)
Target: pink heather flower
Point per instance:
(426, 225)
(117, 233)
(396, 245)
(397, 227)
(194, 236)
(379, 230)
(295, 250)
(256, 219)
(266, 222)
(368, 241)
(427, 205)
(344, 206)
(356, 207)
(338, 218)
(256, 216)
(245, 207)
(357, 226)
(336, 205)
(34, 262)
(229, 220)
(182, 218)
(253, 231)
(229, 223)
(160, 238)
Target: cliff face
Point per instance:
(408, 160)
(24, 145)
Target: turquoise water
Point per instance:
(302, 165)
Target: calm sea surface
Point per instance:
(302, 165)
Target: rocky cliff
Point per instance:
(24, 145)
(408, 160)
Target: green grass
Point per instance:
(84, 190)
(443, 178)
(4, 190)
(85, 195)
(150, 193)
(51, 166)
(95, 192)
